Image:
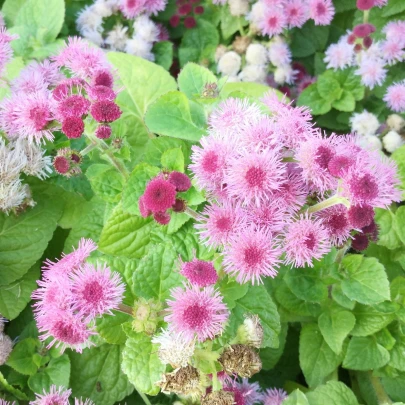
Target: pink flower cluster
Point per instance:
(259, 170)
(43, 99)
(365, 5)
(58, 396)
(71, 294)
(133, 8)
(6, 53)
(160, 196)
(273, 16)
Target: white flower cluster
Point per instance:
(258, 59)
(366, 125)
(6, 344)
(145, 31)
(18, 157)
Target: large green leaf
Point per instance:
(6, 387)
(96, 374)
(22, 358)
(311, 98)
(370, 320)
(109, 328)
(387, 229)
(399, 157)
(10, 10)
(193, 78)
(366, 281)
(332, 393)
(141, 363)
(309, 39)
(296, 398)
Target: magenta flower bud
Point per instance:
(103, 132)
(199, 10)
(190, 22)
(73, 127)
(365, 5)
(162, 218)
(159, 195)
(199, 272)
(180, 180)
(351, 39)
(363, 30)
(105, 111)
(367, 42)
(174, 21)
(61, 164)
(360, 242)
(185, 9)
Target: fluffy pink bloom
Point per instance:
(395, 97)
(67, 87)
(132, 8)
(101, 93)
(279, 53)
(6, 52)
(395, 32)
(102, 77)
(219, 222)
(96, 290)
(162, 218)
(4, 402)
(292, 194)
(73, 106)
(9, 113)
(268, 217)
(313, 157)
(73, 127)
(339, 164)
(336, 222)
(297, 13)
(372, 72)
(197, 312)
(105, 111)
(252, 254)
(154, 6)
(380, 3)
(274, 396)
(322, 11)
(245, 393)
(180, 180)
(392, 52)
(199, 272)
(159, 195)
(29, 81)
(103, 132)
(273, 21)
(59, 396)
(260, 135)
(305, 240)
(360, 216)
(254, 176)
(340, 55)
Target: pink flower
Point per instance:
(73, 127)
(297, 13)
(395, 97)
(395, 32)
(365, 5)
(251, 254)
(59, 396)
(196, 312)
(159, 195)
(322, 11)
(305, 240)
(260, 135)
(339, 164)
(340, 55)
(105, 111)
(268, 217)
(101, 93)
(180, 180)
(336, 222)
(292, 194)
(219, 222)
(363, 30)
(67, 87)
(6, 52)
(73, 106)
(29, 81)
(162, 218)
(372, 72)
(273, 21)
(103, 131)
(254, 176)
(360, 216)
(279, 53)
(132, 8)
(360, 242)
(102, 77)
(96, 290)
(245, 393)
(154, 6)
(199, 272)
(274, 396)
(392, 52)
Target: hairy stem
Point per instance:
(191, 213)
(88, 149)
(124, 309)
(330, 202)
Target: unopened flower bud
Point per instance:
(6, 346)
(241, 360)
(185, 380)
(251, 332)
(179, 205)
(146, 315)
(395, 122)
(392, 141)
(240, 44)
(218, 398)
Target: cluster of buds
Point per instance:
(360, 37)
(186, 9)
(160, 196)
(67, 162)
(146, 315)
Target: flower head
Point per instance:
(105, 111)
(395, 97)
(196, 312)
(336, 222)
(73, 127)
(55, 396)
(245, 393)
(340, 55)
(6, 346)
(273, 21)
(297, 13)
(159, 195)
(364, 123)
(180, 180)
(103, 131)
(274, 396)
(199, 272)
(372, 72)
(322, 11)
(360, 215)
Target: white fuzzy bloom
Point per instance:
(364, 123)
(88, 20)
(174, 349)
(253, 331)
(6, 346)
(284, 74)
(139, 47)
(93, 36)
(370, 142)
(340, 55)
(146, 29)
(12, 162)
(374, 52)
(256, 54)
(103, 8)
(253, 73)
(230, 63)
(395, 122)
(392, 141)
(256, 13)
(117, 38)
(279, 52)
(12, 195)
(220, 52)
(238, 7)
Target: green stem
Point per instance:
(329, 202)
(382, 396)
(124, 309)
(241, 29)
(366, 14)
(341, 252)
(191, 213)
(144, 397)
(88, 149)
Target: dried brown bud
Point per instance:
(184, 380)
(218, 398)
(210, 91)
(241, 360)
(240, 44)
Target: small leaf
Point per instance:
(345, 103)
(311, 98)
(332, 393)
(193, 78)
(21, 358)
(296, 398)
(173, 159)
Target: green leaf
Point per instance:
(57, 372)
(270, 356)
(96, 374)
(328, 87)
(21, 358)
(317, 359)
(345, 103)
(170, 115)
(399, 157)
(395, 387)
(141, 363)
(309, 39)
(296, 398)
(366, 280)
(311, 98)
(193, 78)
(199, 44)
(255, 90)
(135, 186)
(12, 70)
(397, 359)
(229, 23)
(393, 7)
(399, 223)
(306, 284)
(335, 325)
(126, 235)
(364, 353)
(332, 393)
(163, 52)
(258, 301)
(163, 259)
(105, 181)
(177, 220)
(10, 10)
(387, 229)
(109, 327)
(173, 159)
(369, 320)
(350, 82)
(6, 387)
(341, 299)
(15, 296)
(232, 291)
(23, 239)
